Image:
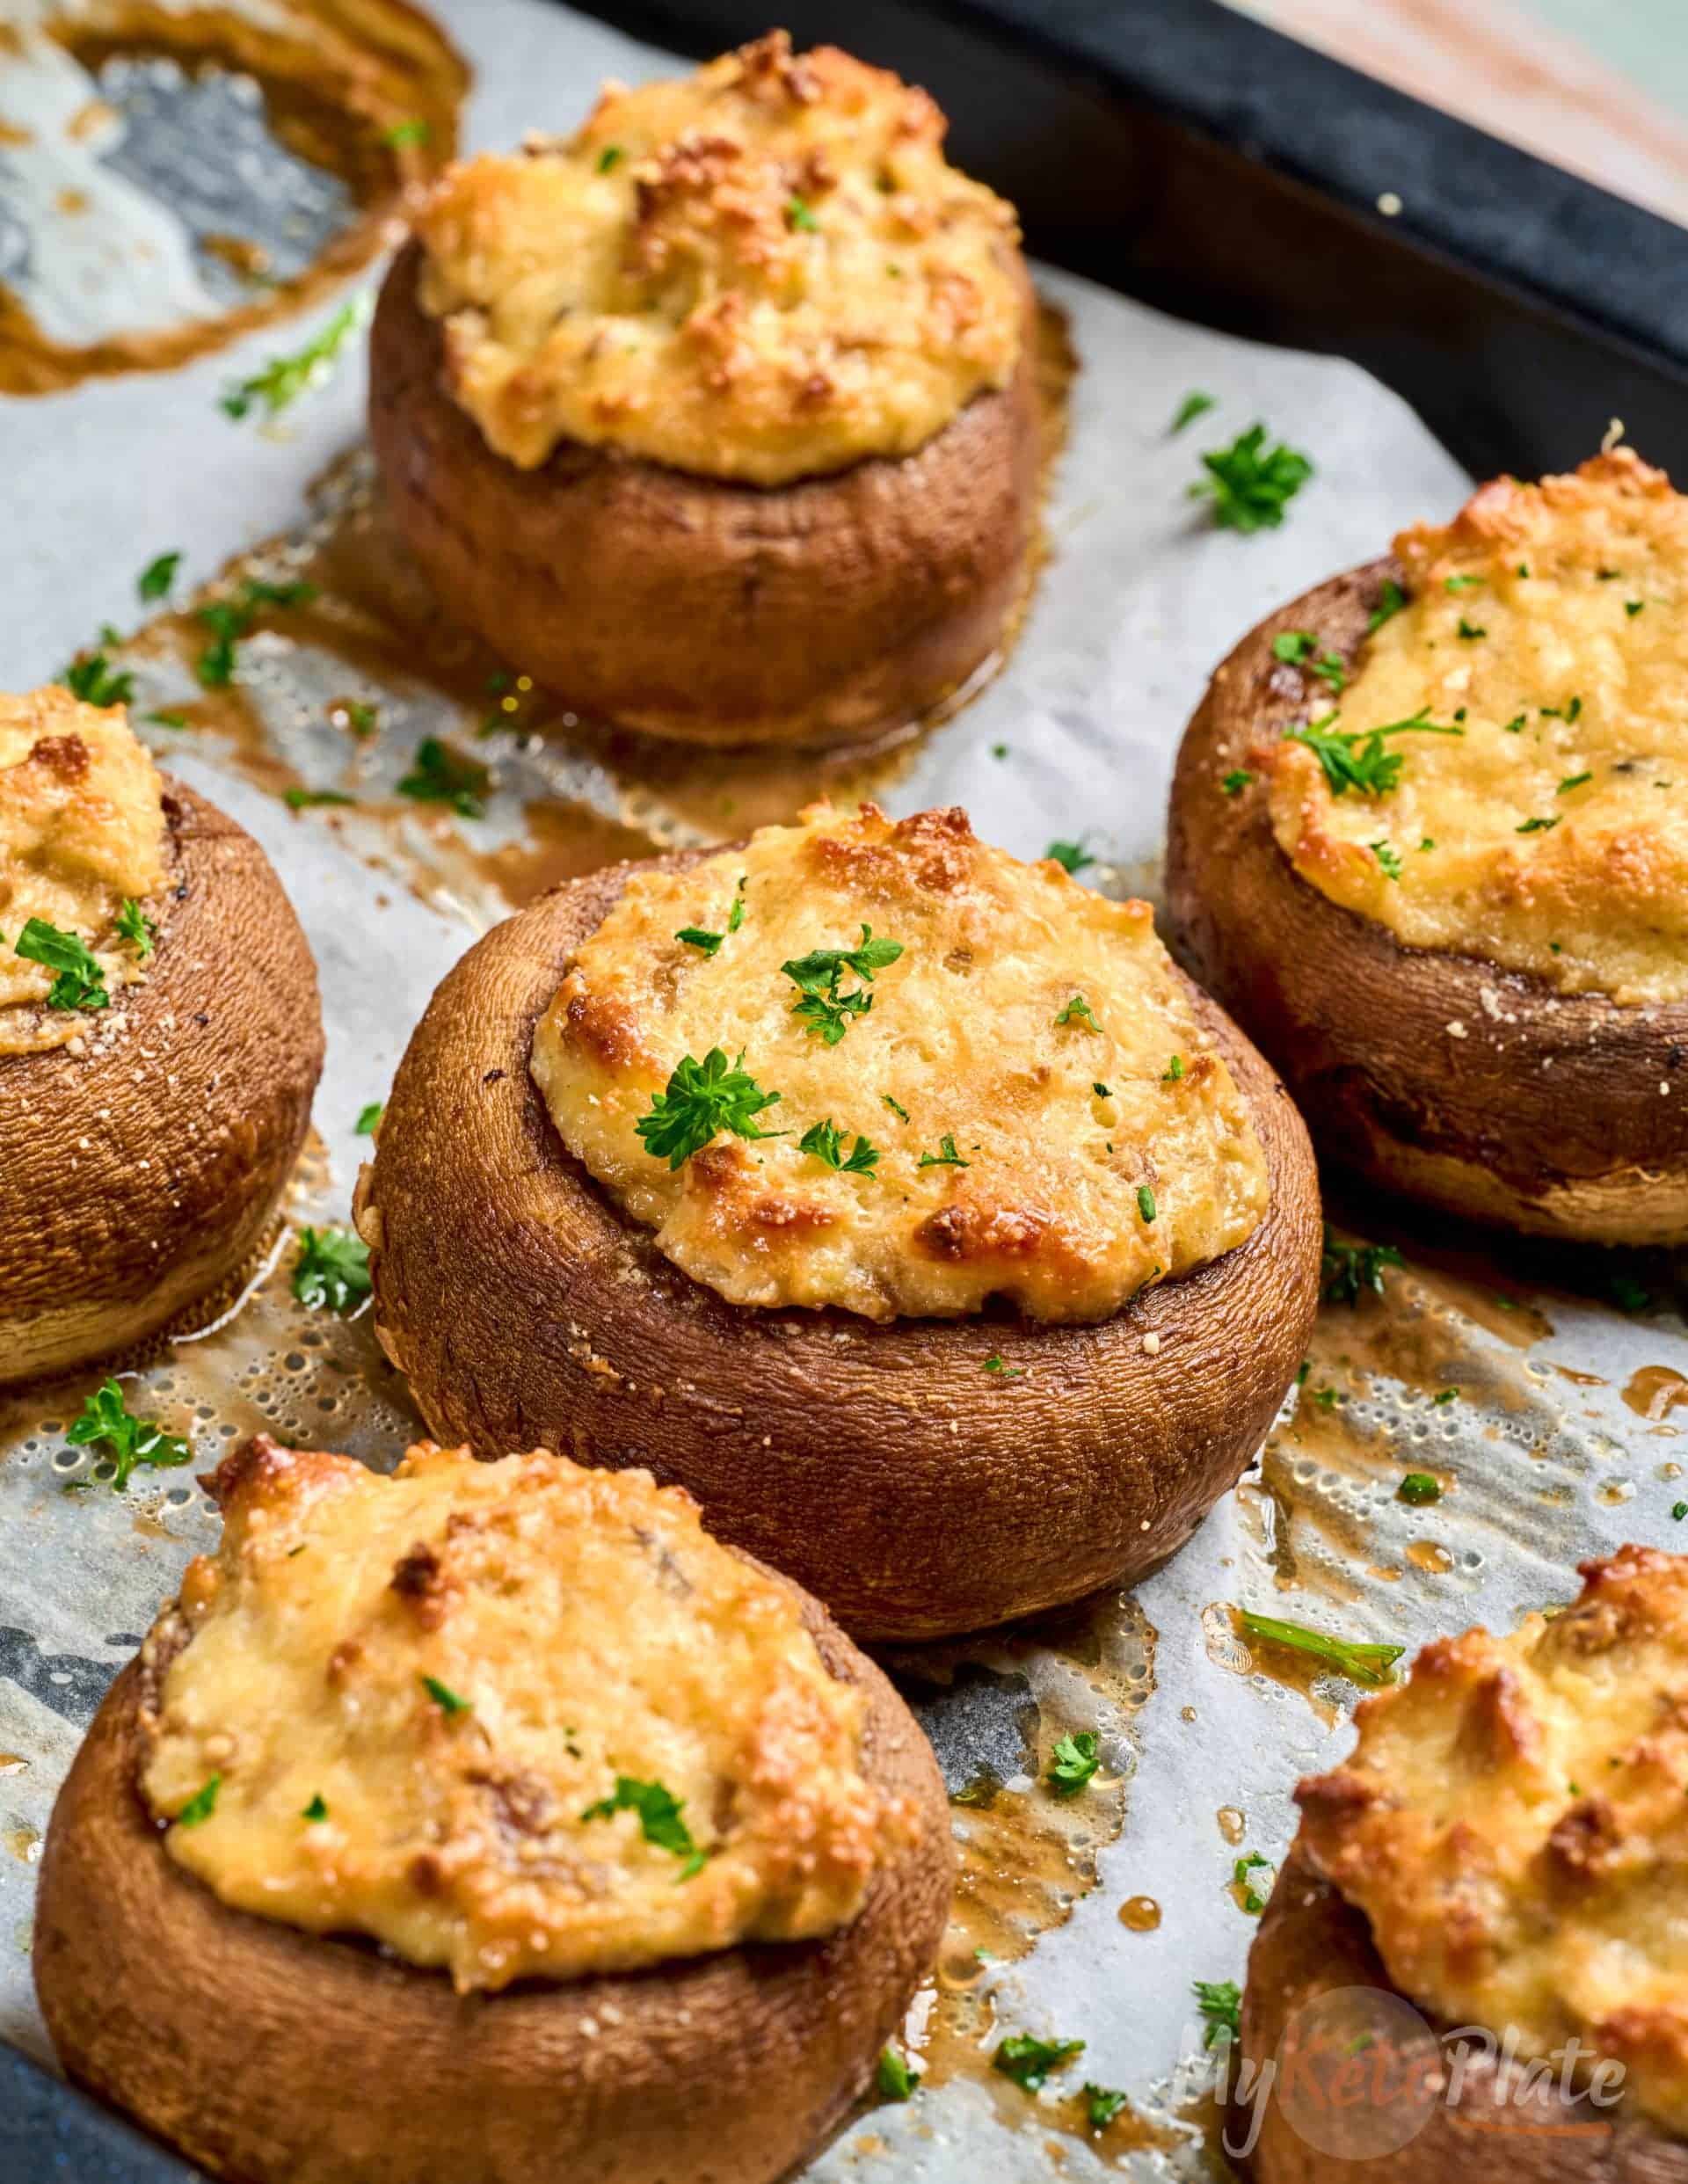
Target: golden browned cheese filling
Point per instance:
(1514, 1824)
(82, 833)
(991, 1081)
(1550, 833)
(512, 1719)
(760, 272)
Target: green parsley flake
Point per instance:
(1299, 648)
(285, 378)
(1194, 404)
(135, 927)
(1029, 2061)
(701, 1100)
(438, 775)
(1249, 484)
(1242, 1880)
(316, 1809)
(1539, 826)
(447, 1699)
(1346, 1269)
(369, 1119)
(91, 677)
(1236, 780)
(1073, 856)
(1077, 1011)
(202, 1805)
(407, 136)
(1391, 599)
(1361, 1660)
(1358, 758)
(80, 983)
(611, 156)
(107, 1424)
(946, 1156)
(896, 1107)
(1103, 2104)
(1220, 2001)
(1145, 1202)
(997, 1363)
(799, 216)
(824, 1143)
(1418, 1488)
(695, 937)
(895, 2079)
(331, 1270)
(1388, 857)
(314, 799)
(1073, 1763)
(823, 1009)
(156, 579)
(660, 1822)
(1570, 781)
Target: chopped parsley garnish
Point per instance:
(1628, 1294)
(1073, 1763)
(659, 1813)
(695, 937)
(736, 915)
(816, 976)
(1358, 758)
(360, 717)
(1242, 1878)
(1361, 1660)
(169, 719)
(1470, 630)
(1417, 1489)
(702, 1099)
(285, 378)
(331, 1270)
(1391, 599)
(105, 1419)
(1515, 726)
(895, 2079)
(1236, 780)
(611, 156)
(407, 135)
(369, 1119)
(1539, 826)
(1299, 648)
(1570, 781)
(202, 1805)
(1388, 857)
(230, 619)
(438, 775)
(896, 1107)
(799, 216)
(91, 677)
(1194, 404)
(316, 1809)
(946, 1156)
(998, 1364)
(1632, 607)
(1103, 2104)
(1220, 2002)
(825, 1142)
(1345, 1269)
(81, 979)
(1073, 856)
(154, 580)
(1461, 582)
(1029, 2061)
(1250, 484)
(298, 799)
(447, 1699)
(1145, 1202)
(1446, 1395)
(135, 927)
(1105, 1092)
(1678, 1511)
(1077, 1011)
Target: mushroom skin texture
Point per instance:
(881, 1464)
(275, 2057)
(136, 1183)
(824, 612)
(1313, 1943)
(1445, 1078)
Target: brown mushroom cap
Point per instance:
(133, 1182)
(1312, 1947)
(820, 612)
(1480, 1090)
(880, 1465)
(276, 2057)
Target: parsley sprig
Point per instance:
(438, 775)
(660, 1820)
(135, 927)
(1250, 484)
(1073, 1763)
(81, 979)
(332, 1269)
(896, 2080)
(1220, 2001)
(106, 1421)
(1029, 2061)
(825, 1143)
(1299, 648)
(1346, 1270)
(946, 1155)
(285, 378)
(91, 677)
(1360, 1660)
(816, 975)
(1359, 759)
(230, 619)
(702, 1099)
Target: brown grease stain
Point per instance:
(1232, 1822)
(334, 86)
(1140, 1914)
(25, 1844)
(14, 1763)
(1654, 1391)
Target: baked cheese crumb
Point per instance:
(1044, 1121)
(1514, 1824)
(763, 271)
(407, 1706)
(1550, 833)
(82, 831)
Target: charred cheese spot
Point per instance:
(1548, 622)
(764, 271)
(1514, 1824)
(413, 1690)
(81, 829)
(1061, 1200)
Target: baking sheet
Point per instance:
(1074, 739)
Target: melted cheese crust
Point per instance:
(1570, 699)
(82, 830)
(1514, 1824)
(591, 1629)
(1088, 1172)
(764, 270)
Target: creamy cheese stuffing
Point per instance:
(1514, 1824)
(82, 831)
(512, 1720)
(1021, 1103)
(764, 271)
(1550, 834)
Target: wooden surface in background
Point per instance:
(1493, 64)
